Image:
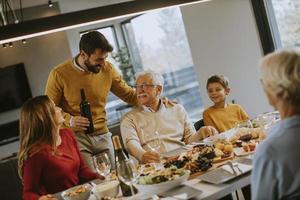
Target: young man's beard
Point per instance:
(92, 68)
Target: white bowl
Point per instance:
(106, 189)
(66, 195)
(164, 186)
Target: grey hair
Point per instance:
(280, 72)
(157, 78)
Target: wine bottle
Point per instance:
(121, 157)
(85, 111)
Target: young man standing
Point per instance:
(90, 71)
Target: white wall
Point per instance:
(39, 55)
(224, 40)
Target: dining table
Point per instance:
(205, 190)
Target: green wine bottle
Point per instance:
(85, 111)
(120, 157)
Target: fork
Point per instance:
(237, 166)
(232, 167)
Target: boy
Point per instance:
(221, 115)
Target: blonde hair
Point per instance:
(38, 127)
(280, 72)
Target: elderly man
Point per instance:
(152, 117)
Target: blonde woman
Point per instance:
(48, 160)
(276, 170)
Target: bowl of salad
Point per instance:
(162, 180)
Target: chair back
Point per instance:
(11, 185)
(198, 124)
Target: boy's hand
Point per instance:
(207, 131)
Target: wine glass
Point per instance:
(128, 173)
(245, 128)
(152, 140)
(102, 164)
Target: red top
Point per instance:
(46, 173)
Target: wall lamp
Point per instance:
(50, 4)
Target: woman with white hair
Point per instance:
(276, 170)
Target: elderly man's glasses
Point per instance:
(144, 86)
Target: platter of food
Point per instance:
(246, 149)
(200, 158)
(246, 135)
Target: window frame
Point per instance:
(263, 25)
(103, 27)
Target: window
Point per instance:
(284, 16)
(157, 41)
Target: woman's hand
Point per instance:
(150, 157)
(207, 131)
(47, 197)
(100, 177)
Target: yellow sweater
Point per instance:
(224, 118)
(64, 84)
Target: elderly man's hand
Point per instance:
(150, 157)
(207, 131)
(167, 102)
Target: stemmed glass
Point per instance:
(245, 129)
(246, 124)
(128, 173)
(153, 140)
(102, 164)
